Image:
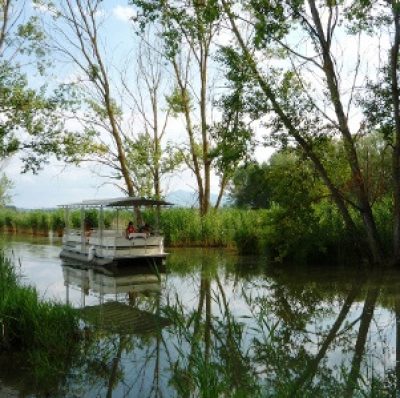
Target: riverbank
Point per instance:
(40, 336)
(284, 236)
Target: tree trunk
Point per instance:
(224, 182)
(394, 56)
(371, 230)
(189, 129)
(359, 349)
(397, 314)
(203, 113)
(120, 148)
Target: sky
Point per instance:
(58, 183)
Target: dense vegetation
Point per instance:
(304, 221)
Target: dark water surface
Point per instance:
(214, 324)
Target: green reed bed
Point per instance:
(36, 222)
(244, 229)
(221, 228)
(40, 334)
(40, 222)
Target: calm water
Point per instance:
(214, 324)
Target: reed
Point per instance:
(222, 228)
(181, 226)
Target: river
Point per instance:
(215, 324)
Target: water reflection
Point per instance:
(126, 322)
(117, 282)
(216, 325)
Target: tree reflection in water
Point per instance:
(301, 335)
(239, 328)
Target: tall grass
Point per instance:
(42, 333)
(222, 228)
(181, 226)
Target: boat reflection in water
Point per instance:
(117, 281)
(120, 292)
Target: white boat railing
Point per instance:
(110, 238)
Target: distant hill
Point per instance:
(183, 198)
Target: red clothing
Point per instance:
(130, 229)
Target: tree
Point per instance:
(108, 97)
(149, 158)
(301, 118)
(32, 121)
(76, 35)
(190, 33)
(233, 136)
(250, 186)
(382, 110)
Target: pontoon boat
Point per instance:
(103, 246)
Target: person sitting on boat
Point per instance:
(88, 227)
(130, 230)
(145, 228)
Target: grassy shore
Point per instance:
(39, 335)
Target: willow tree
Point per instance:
(306, 95)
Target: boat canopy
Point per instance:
(127, 201)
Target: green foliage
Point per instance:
(377, 105)
(250, 186)
(34, 112)
(30, 117)
(369, 16)
(178, 102)
(100, 110)
(250, 238)
(57, 222)
(302, 222)
(225, 227)
(146, 159)
(39, 221)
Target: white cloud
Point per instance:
(124, 13)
